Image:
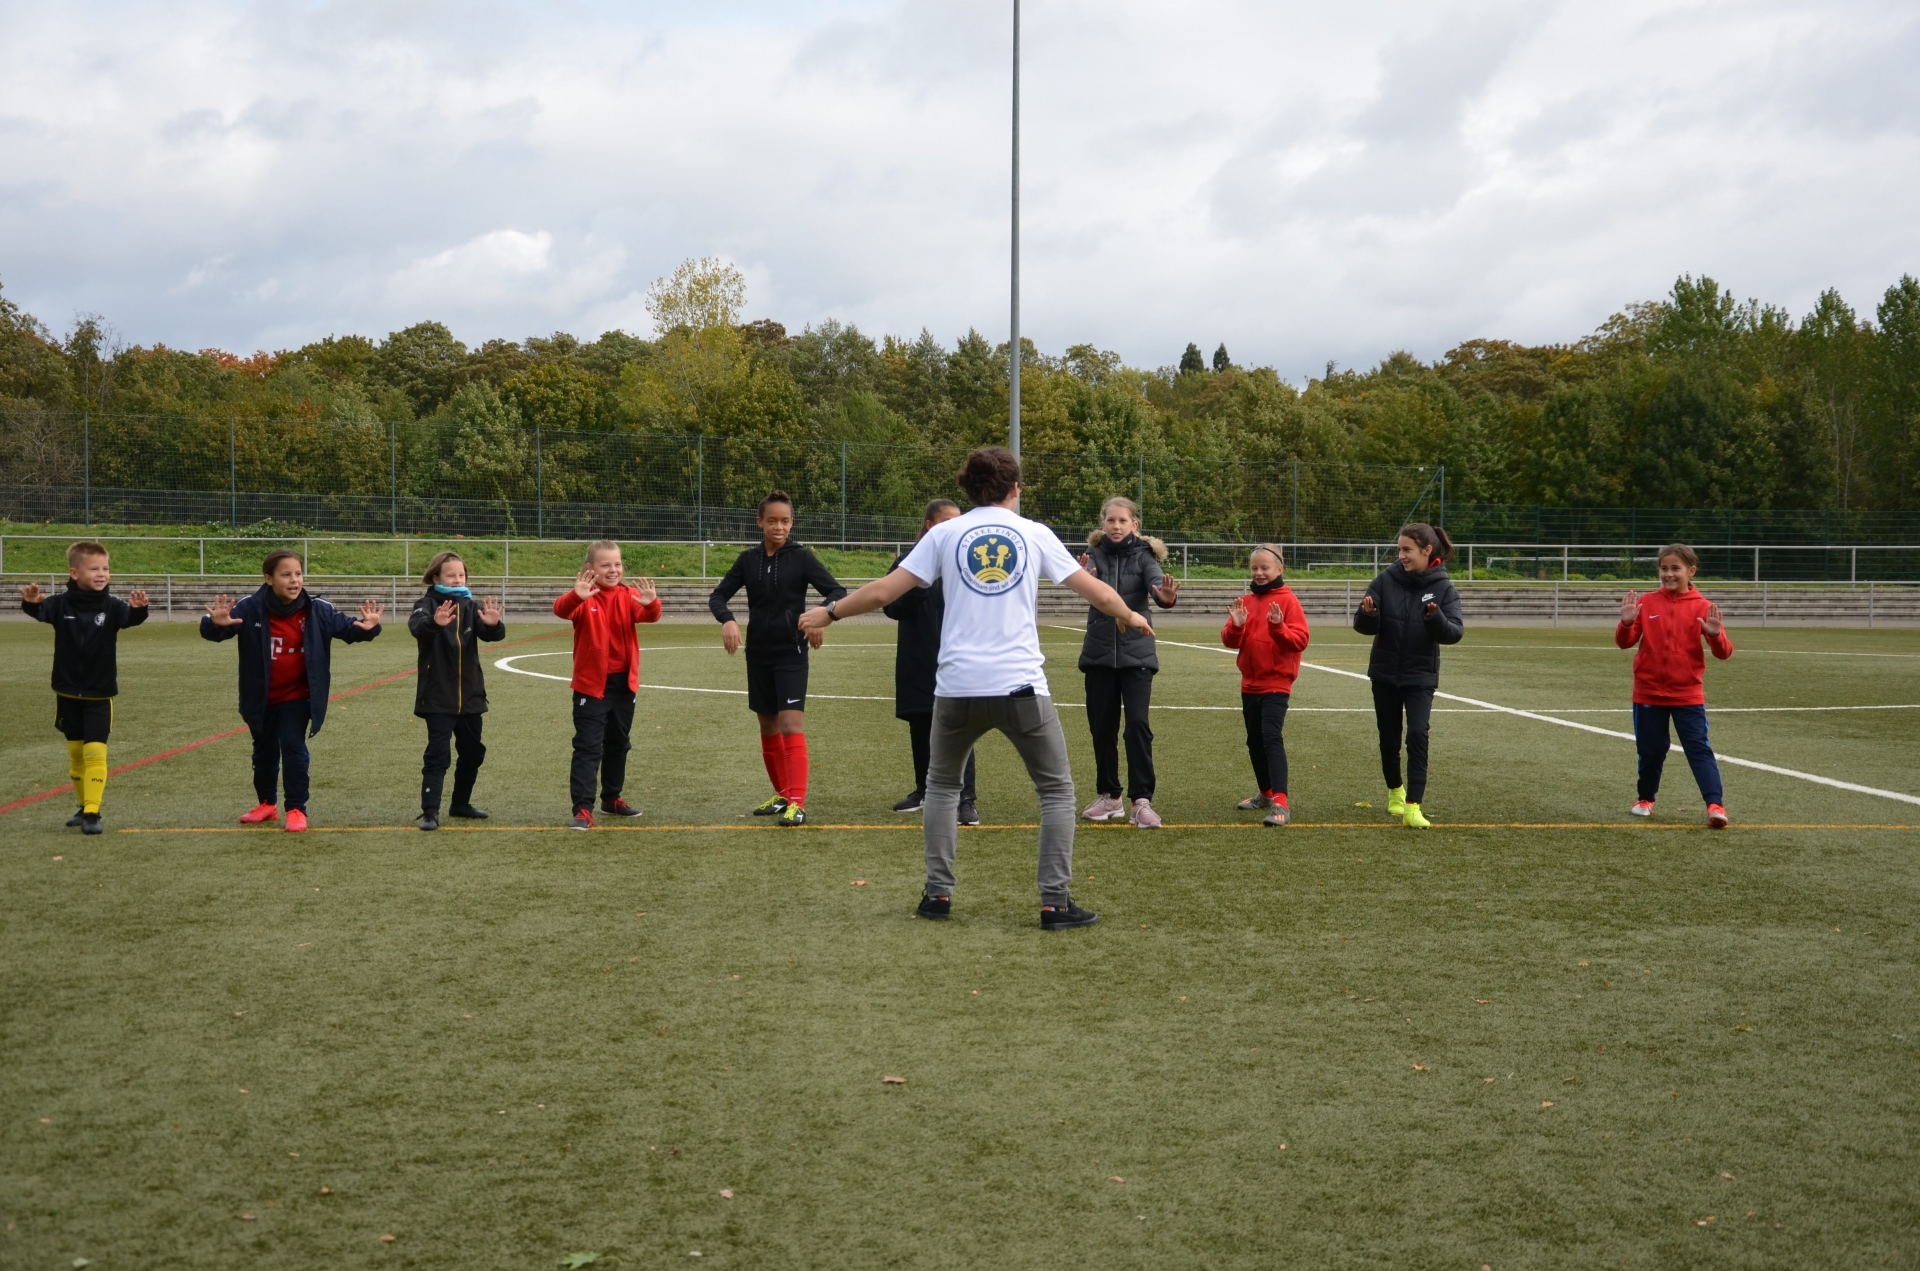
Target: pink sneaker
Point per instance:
(1106, 808)
(1144, 817)
(1716, 816)
(296, 821)
(1642, 807)
(264, 812)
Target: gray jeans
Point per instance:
(1033, 726)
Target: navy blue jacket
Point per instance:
(325, 624)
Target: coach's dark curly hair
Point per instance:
(989, 475)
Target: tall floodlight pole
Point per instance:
(1013, 342)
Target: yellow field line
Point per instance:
(1086, 829)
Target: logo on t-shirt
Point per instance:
(992, 559)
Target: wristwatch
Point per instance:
(831, 615)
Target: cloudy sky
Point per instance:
(1306, 182)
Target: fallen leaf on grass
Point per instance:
(1487, 1080)
(294, 1155)
(77, 1262)
(859, 882)
(1606, 984)
(246, 1217)
(1742, 1028)
(639, 913)
(1116, 1179)
(1420, 1068)
(1730, 1179)
(466, 1017)
(326, 1191)
(726, 1193)
(1583, 962)
(1546, 1103)
(1283, 1147)
(634, 958)
(388, 1239)
(1701, 1222)
(46, 1120)
(1483, 1001)
(662, 1032)
(574, 1261)
(893, 1081)
(62, 858)
(1571, 1080)
(1363, 804)
(245, 1091)
(303, 946)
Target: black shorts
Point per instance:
(773, 687)
(83, 718)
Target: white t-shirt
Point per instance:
(990, 560)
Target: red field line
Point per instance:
(31, 799)
(903, 826)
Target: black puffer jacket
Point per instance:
(1132, 568)
(1406, 642)
(450, 681)
(917, 654)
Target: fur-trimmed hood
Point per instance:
(1158, 548)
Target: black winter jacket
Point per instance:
(86, 625)
(776, 597)
(916, 657)
(1406, 642)
(1132, 568)
(325, 624)
(450, 681)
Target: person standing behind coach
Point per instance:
(916, 659)
(1120, 662)
(991, 675)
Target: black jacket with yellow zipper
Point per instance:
(450, 680)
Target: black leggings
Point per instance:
(1108, 690)
(1266, 718)
(1390, 702)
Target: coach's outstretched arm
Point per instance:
(881, 591)
(1106, 600)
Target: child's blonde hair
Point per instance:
(1121, 500)
(83, 549)
(1273, 550)
(600, 545)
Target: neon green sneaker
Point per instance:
(772, 807)
(1397, 801)
(1412, 819)
(792, 814)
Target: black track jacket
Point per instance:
(1406, 643)
(450, 682)
(86, 625)
(776, 597)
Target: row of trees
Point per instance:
(1693, 401)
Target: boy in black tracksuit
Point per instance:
(1410, 610)
(86, 622)
(776, 573)
(451, 691)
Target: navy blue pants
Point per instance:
(1650, 738)
(281, 742)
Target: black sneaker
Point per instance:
(74, 821)
(969, 815)
(467, 812)
(912, 803)
(1060, 917)
(90, 823)
(618, 807)
(936, 908)
(582, 819)
(429, 821)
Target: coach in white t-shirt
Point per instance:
(991, 674)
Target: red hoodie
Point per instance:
(1269, 652)
(603, 623)
(1670, 669)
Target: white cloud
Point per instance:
(1302, 181)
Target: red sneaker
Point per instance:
(265, 812)
(582, 819)
(1642, 807)
(1716, 816)
(296, 821)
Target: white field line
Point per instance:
(1609, 732)
(507, 664)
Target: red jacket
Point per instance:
(1670, 669)
(1269, 652)
(598, 621)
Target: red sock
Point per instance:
(774, 755)
(796, 767)
(1280, 797)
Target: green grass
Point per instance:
(478, 1045)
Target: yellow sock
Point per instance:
(76, 767)
(94, 756)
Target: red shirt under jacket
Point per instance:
(287, 654)
(1269, 652)
(602, 622)
(1670, 669)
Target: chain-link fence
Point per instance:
(447, 477)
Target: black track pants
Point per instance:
(443, 732)
(1390, 703)
(1266, 719)
(1108, 690)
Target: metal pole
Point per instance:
(539, 489)
(699, 487)
(506, 571)
(1013, 340)
(1443, 496)
(393, 478)
(1143, 486)
(1853, 569)
(1296, 499)
(1756, 563)
(233, 476)
(843, 496)
(203, 558)
(86, 462)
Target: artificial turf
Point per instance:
(1638, 1045)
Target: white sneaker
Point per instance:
(1144, 817)
(1106, 808)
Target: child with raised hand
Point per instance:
(606, 676)
(286, 670)
(450, 690)
(1269, 628)
(1669, 676)
(1410, 610)
(87, 620)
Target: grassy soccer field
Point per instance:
(1537, 1035)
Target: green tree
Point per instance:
(699, 295)
(423, 361)
(1897, 436)
(1222, 362)
(1192, 360)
